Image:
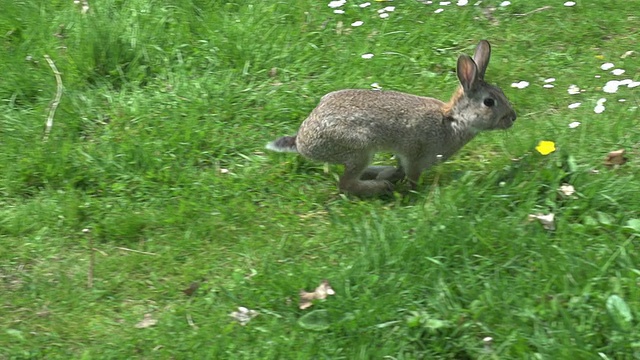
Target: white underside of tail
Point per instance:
(273, 147)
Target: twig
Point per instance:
(535, 11)
(56, 99)
(135, 251)
(190, 321)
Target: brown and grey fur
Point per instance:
(349, 126)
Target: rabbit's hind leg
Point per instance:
(351, 182)
(390, 173)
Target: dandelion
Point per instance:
(364, 5)
(574, 105)
(569, 3)
(574, 124)
(546, 147)
(505, 3)
(549, 80)
(548, 86)
(599, 109)
(338, 11)
(439, 11)
(367, 56)
(337, 3)
(617, 71)
(462, 2)
(357, 23)
(445, 3)
(384, 15)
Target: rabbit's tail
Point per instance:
(283, 144)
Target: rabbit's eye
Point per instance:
(489, 102)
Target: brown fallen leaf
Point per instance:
(192, 288)
(320, 293)
(615, 158)
(547, 220)
(146, 322)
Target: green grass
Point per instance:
(157, 147)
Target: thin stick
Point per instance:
(135, 251)
(56, 99)
(534, 11)
(190, 321)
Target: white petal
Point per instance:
(606, 66)
(611, 86)
(337, 3)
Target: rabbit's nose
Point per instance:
(513, 116)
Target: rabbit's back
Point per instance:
(348, 120)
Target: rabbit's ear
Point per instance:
(481, 57)
(467, 73)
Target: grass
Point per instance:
(157, 147)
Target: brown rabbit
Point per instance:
(349, 126)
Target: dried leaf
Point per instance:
(320, 293)
(243, 315)
(615, 158)
(317, 320)
(547, 220)
(192, 288)
(146, 322)
(567, 189)
(620, 312)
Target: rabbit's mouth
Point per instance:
(508, 120)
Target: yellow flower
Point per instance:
(546, 147)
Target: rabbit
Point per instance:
(349, 126)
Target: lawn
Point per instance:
(147, 211)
